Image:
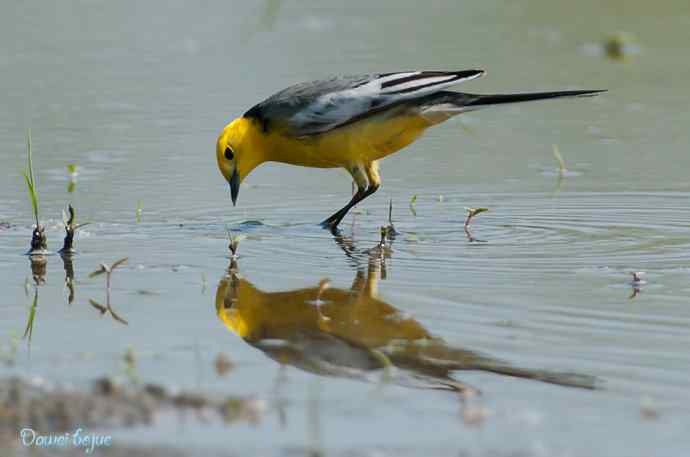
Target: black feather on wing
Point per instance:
(320, 106)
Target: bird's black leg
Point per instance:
(332, 222)
(368, 182)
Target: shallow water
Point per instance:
(135, 97)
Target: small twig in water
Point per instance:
(384, 237)
(636, 283)
(390, 229)
(637, 277)
(234, 243)
(108, 270)
(472, 212)
(71, 227)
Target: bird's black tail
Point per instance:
(498, 99)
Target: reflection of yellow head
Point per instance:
(226, 296)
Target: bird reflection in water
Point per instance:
(353, 333)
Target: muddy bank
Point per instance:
(115, 451)
(34, 404)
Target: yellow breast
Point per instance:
(361, 142)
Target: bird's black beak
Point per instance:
(234, 182)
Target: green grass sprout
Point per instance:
(39, 242)
(29, 331)
(139, 210)
(413, 203)
(72, 171)
(30, 179)
(561, 163)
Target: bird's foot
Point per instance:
(331, 224)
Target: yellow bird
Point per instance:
(350, 122)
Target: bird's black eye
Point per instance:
(228, 153)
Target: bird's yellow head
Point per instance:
(238, 152)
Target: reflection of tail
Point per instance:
(550, 377)
(435, 358)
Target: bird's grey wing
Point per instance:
(320, 106)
